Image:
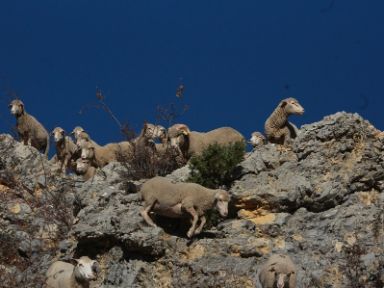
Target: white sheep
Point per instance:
(278, 272)
(193, 143)
(65, 275)
(277, 128)
(85, 169)
(65, 148)
(100, 156)
(30, 131)
(178, 200)
(257, 139)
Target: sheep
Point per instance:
(278, 272)
(30, 131)
(65, 148)
(257, 139)
(177, 200)
(193, 143)
(277, 128)
(100, 156)
(77, 275)
(84, 168)
(82, 137)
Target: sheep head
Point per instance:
(176, 134)
(16, 107)
(291, 106)
(88, 152)
(222, 198)
(154, 132)
(58, 134)
(77, 131)
(82, 165)
(257, 139)
(85, 269)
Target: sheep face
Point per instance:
(88, 152)
(77, 131)
(222, 199)
(155, 131)
(82, 166)
(177, 134)
(58, 134)
(16, 107)
(292, 106)
(86, 269)
(257, 139)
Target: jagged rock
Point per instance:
(321, 202)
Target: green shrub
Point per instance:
(215, 166)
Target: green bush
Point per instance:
(215, 166)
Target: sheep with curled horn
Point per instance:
(178, 200)
(77, 274)
(278, 272)
(30, 131)
(277, 127)
(193, 143)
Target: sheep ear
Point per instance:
(283, 104)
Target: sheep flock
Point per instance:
(77, 153)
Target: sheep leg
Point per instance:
(144, 212)
(195, 218)
(202, 223)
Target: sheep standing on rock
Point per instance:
(277, 127)
(193, 143)
(31, 131)
(65, 275)
(65, 148)
(278, 272)
(177, 200)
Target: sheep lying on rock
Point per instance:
(31, 131)
(65, 275)
(278, 272)
(85, 169)
(277, 128)
(177, 200)
(65, 148)
(100, 156)
(193, 143)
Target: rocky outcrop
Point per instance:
(320, 201)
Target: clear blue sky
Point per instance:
(237, 60)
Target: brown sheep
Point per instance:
(278, 272)
(78, 275)
(193, 143)
(30, 131)
(65, 148)
(277, 128)
(178, 200)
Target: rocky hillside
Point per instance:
(321, 202)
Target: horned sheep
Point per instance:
(278, 272)
(30, 131)
(66, 275)
(193, 143)
(65, 148)
(277, 128)
(178, 200)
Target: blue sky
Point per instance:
(237, 60)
